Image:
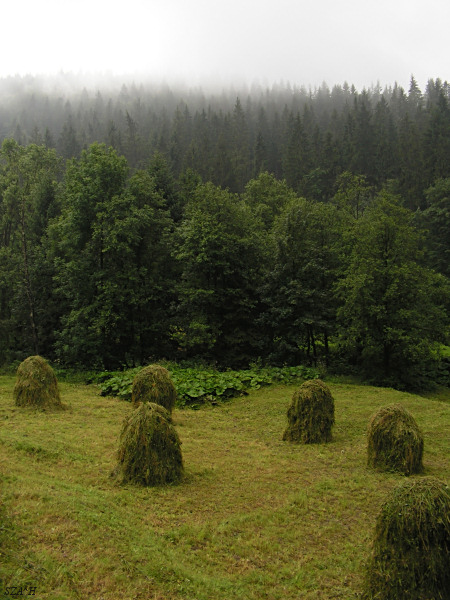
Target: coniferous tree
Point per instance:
(436, 218)
(385, 144)
(437, 141)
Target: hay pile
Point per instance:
(149, 447)
(394, 441)
(153, 384)
(310, 414)
(411, 548)
(36, 384)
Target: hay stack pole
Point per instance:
(153, 384)
(411, 547)
(310, 414)
(149, 447)
(36, 384)
(394, 441)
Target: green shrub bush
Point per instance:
(36, 384)
(394, 441)
(153, 384)
(196, 386)
(149, 447)
(310, 414)
(410, 558)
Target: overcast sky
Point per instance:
(198, 41)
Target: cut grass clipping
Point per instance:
(149, 447)
(411, 548)
(36, 384)
(153, 384)
(394, 441)
(310, 414)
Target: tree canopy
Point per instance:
(289, 228)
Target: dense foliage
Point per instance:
(295, 227)
(195, 386)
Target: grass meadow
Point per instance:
(254, 517)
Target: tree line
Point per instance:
(305, 136)
(104, 265)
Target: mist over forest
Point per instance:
(280, 224)
(230, 135)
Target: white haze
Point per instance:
(201, 42)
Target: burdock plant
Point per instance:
(36, 384)
(310, 414)
(394, 441)
(153, 384)
(411, 548)
(149, 447)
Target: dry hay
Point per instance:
(411, 548)
(149, 447)
(310, 414)
(394, 441)
(153, 384)
(36, 384)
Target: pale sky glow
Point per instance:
(200, 41)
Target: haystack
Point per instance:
(36, 384)
(153, 384)
(394, 441)
(310, 414)
(149, 447)
(411, 548)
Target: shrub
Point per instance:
(149, 447)
(411, 548)
(36, 384)
(153, 384)
(196, 386)
(310, 414)
(394, 441)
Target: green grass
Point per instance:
(254, 517)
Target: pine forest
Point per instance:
(275, 226)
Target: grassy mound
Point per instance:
(149, 447)
(310, 414)
(36, 384)
(411, 548)
(394, 441)
(153, 384)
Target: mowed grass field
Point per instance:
(254, 517)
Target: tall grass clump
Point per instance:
(411, 548)
(310, 414)
(394, 441)
(153, 384)
(149, 447)
(36, 384)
